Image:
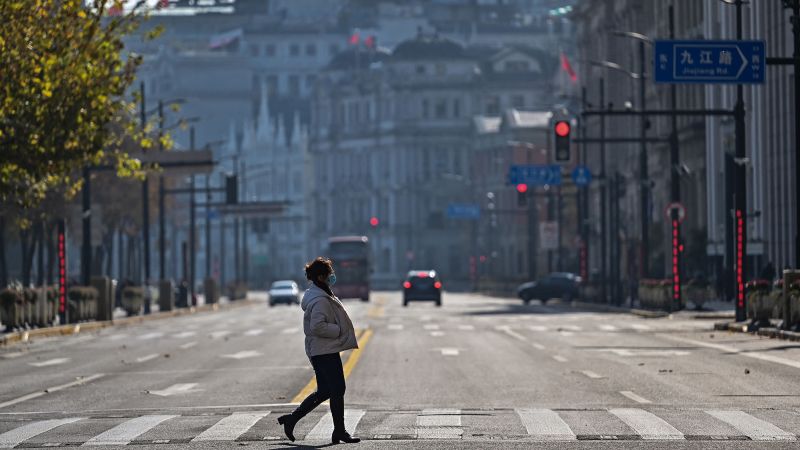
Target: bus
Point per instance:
(353, 265)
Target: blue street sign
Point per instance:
(582, 176)
(701, 61)
(468, 211)
(534, 175)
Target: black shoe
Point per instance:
(288, 421)
(345, 437)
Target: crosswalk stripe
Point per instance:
(439, 424)
(127, 431)
(323, 429)
(545, 424)
(646, 424)
(231, 427)
(11, 439)
(752, 427)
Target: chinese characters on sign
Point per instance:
(735, 62)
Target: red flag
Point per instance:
(568, 68)
(370, 42)
(354, 39)
(162, 4)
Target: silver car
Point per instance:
(284, 291)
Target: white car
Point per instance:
(284, 291)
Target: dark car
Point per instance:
(422, 285)
(563, 285)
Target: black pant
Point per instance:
(330, 385)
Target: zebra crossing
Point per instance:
(533, 424)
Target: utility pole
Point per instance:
(644, 176)
(584, 196)
(208, 226)
(603, 194)
(162, 254)
(675, 185)
(145, 210)
(740, 189)
(192, 237)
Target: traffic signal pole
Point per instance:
(644, 176)
(675, 184)
(603, 195)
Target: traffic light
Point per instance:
(231, 190)
(562, 129)
(522, 195)
(373, 222)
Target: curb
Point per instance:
(770, 332)
(77, 328)
(608, 308)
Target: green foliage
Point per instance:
(62, 95)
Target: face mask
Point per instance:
(332, 279)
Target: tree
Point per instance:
(62, 94)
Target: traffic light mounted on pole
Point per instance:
(522, 195)
(562, 130)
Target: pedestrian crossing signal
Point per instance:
(562, 140)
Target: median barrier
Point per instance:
(82, 303)
(166, 295)
(237, 290)
(10, 308)
(761, 305)
(133, 300)
(211, 291)
(105, 298)
(791, 299)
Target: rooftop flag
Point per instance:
(567, 67)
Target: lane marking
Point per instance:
(290, 330)
(629, 352)
(439, 424)
(537, 328)
(449, 352)
(176, 389)
(50, 362)
(507, 330)
(243, 354)
(188, 345)
(566, 333)
(254, 332)
(323, 429)
(647, 425)
(537, 346)
(736, 351)
(116, 337)
(51, 390)
(431, 326)
(362, 337)
(151, 336)
(11, 439)
(395, 326)
(147, 358)
(185, 334)
(127, 431)
(466, 327)
(231, 427)
(546, 425)
(592, 375)
(219, 334)
(437, 333)
(635, 397)
(640, 327)
(570, 327)
(560, 358)
(608, 327)
(752, 427)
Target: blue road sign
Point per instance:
(535, 175)
(582, 176)
(468, 211)
(701, 62)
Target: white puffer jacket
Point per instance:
(327, 326)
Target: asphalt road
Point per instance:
(479, 372)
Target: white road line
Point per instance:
(566, 333)
(592, 375)
(176, 389)
(51, 390)
(184, 334)
(450, 352)
(50, 362)
(116, 337)
(323, 429)
(439, 424)
(431, 326)
(608, 327)
(640, 327)
(290, 330)
(560, 358)
(244, 354)
(151, 336)
(647, 425)
(231, 427)
(254, 332)
(635, 397)
(537, 346)
(147, 358)
(437, 333)
(11, 439)
(219, 334)
(570, 327)
(188, 345)
(507, 330)
(537, 328)
(752, 427)
(545, 424)
(127, 431)
(733, 350)
(466, 327)
(395, 326)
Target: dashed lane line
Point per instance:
(51, 390)
(147, 358)
(450, 352)
(635, 397)
(733, 350)
(560, 358)
(592, 375)
(437, 333)
(50, 362)
(188, 345)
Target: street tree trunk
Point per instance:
(3, 264)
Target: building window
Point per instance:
(269, 50)
(333, 49)
(457, 108)
(441, 109)
(310, 80)
(254, 50)
(441, 69)
(425, 109)
(420, 69)
(294, 85)
(518, 101)
(311, 50)
(294, 50)
(493, 106)
(272, 84)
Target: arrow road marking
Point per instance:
(50, 362)
(176, 389)
(243, 354)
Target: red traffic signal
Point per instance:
(563, 128)
(374, 221)
(522, 188)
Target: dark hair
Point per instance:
(319, 266)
